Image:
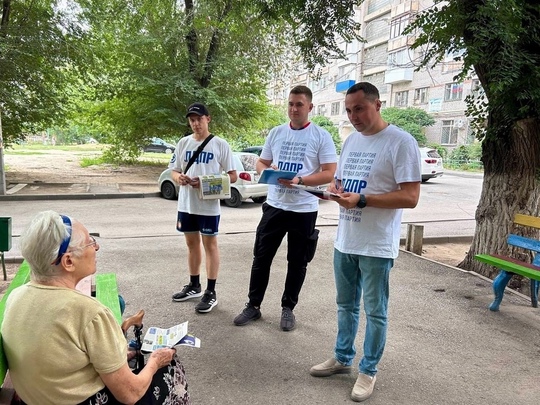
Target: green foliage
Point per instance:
(500, 40)
(38, 46)
(465, 157)
(91, 161)
(123, 71)
(441, 150)
(330, 127)
(261, 126)
(412, 120)
(315, 26)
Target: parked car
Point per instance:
(245, 187)
(160, 146)
(432, 164)
(253, 149)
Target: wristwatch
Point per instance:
(300, 181)
(362, 202)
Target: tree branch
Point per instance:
(213, 48)
(191, 38)
(6, 8)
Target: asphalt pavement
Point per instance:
(444, 346)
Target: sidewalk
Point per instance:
(79, 191)
(444, 345)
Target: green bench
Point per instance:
(106, 290)
(509, 266)
(7, 392)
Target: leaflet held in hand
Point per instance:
(322, 194)
(271, 176)
(214, 186)
(157, 338)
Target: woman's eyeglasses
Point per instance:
(65, 243)
(93, 243)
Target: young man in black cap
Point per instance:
(198, 219)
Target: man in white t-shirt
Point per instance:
(378, 175)
(308, 150)
(198, 219)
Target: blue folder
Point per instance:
(271, 176)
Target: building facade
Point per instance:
(387, 61)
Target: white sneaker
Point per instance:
(363, 388)
(328, 368)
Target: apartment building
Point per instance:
(387, 61)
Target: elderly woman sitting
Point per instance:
(64, 347)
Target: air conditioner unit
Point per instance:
(459, 123)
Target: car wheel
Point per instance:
(259, 200)
(236, 199)
(168, 191)
(168, 151)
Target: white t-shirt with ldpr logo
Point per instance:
(302, 151)
(375, 164)
(215, 158)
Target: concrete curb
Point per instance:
(436, 240)
(80, 196)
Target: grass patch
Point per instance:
(91, 161)
(100, 160)
(153, 163)
(467, 166)
(22, 152)
(88, 147)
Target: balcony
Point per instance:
(398, 75)
(342, 87)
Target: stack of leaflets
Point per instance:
(318, 192)
(214, 186)
(271, 176)
(157, 338)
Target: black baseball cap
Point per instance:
(197, 108)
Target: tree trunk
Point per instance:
(3, 188)
(511, 185)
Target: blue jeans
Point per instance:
(355, 275)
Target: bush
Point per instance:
(466, 157)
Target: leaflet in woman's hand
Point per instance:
(157, 338)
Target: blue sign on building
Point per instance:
(342, 87)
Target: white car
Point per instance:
(432, 165)
(245, 187)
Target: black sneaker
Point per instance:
(288, 322)
(187, 293)
(208, 301)
(250, 313)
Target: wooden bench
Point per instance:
(106, 291)
(509, 266)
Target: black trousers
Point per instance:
(301, 245)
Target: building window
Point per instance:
(449, 133)
(453, 91)
(398, 25)
(335, 110)
(321, 109)
(421, 95)
(402, 97)
(400, 58)
(374, 5)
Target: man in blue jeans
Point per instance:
(378, 174)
